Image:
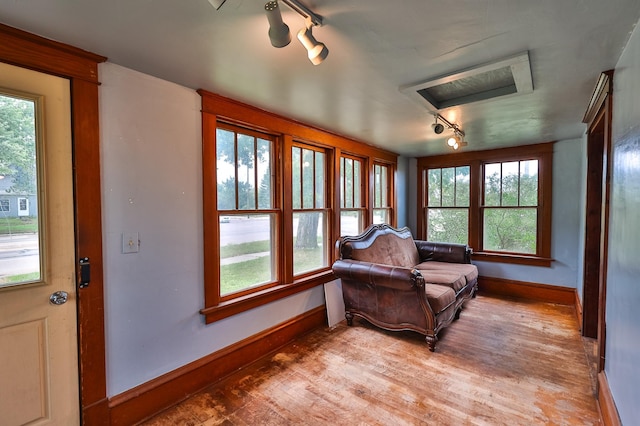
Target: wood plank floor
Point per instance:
(504, 362)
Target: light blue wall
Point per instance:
(152, 184)
(622, 364)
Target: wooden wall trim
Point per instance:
(578, 305)
(162, 392)
(527, 290)
(608, 411)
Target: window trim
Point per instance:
(543, 152)
(218, 109)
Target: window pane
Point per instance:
(448, 225)
(246, 172)
(310, 242)
(462, 186)
(247, 252)
(448, 187)
(348, 183)
(510, 230)
(265, 194)
(383, 186)
(510, 183)
(434, 182)
(296, 165)
(319, 179)
(351, 222)
(226, 169)
(529, 183)
(380, 216)
(19, 221)
(376, 182)
(492, 184)
(357, 183)
(307, 179)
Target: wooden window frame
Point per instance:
(218, 109)
(390, 193)
(476, 160)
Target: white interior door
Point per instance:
(38, 343)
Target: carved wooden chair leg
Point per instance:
(457, 315)
(349, 317)
(431, 341)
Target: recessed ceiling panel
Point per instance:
(505, 77)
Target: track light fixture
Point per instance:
(279, 31)
(437, 127)
(457, 140)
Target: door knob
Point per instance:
(59, 297)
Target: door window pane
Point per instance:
(20, 227)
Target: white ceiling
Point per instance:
(376, 47)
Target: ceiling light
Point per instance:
(437, 127)
(316, 51)
(278, 31)
(453, 141)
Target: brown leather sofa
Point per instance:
(398, 283)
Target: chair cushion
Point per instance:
(440, 297)
(469, 271)
(449, 279)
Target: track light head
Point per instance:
(316, 51)
(279, 33)
(437, 128)
(453, 141)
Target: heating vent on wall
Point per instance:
(508, 76)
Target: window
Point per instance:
(510, 208)
(246, 213)
(448, 204)
(352, 210)
(4, 205)
(310, 213)
(271, 206)
(381, 191)
(497, 201)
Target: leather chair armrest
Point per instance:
(443, 252)
(378, 275)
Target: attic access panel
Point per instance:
(509, 76)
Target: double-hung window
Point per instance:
(247, 215)
(382, 184)
(310, 208)
(497, 201)
(352, 195)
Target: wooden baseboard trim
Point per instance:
(526, 290)
(578, 304)
(169, 389)
(608, 411)
(96, 414)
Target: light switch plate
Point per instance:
(130, 242)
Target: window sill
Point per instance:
(254, 300)
(512, 258)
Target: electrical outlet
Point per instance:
(130, 242)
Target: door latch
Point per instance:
(85, 273)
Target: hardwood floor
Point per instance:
(504, 362)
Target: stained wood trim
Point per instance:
(578, 305)
(606, 403)
(602, 89)
(149, 398)
(256, 118)
(527, 290)
(30, 51)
